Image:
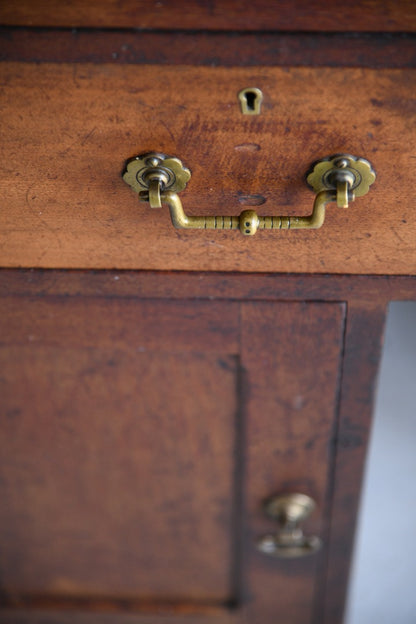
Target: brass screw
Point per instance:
(152, 162)
(341, 163)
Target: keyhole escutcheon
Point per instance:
(250, 100)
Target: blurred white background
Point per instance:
(382, 588)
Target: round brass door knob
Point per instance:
(289, 542)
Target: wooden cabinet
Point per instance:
(158, 386)
(148, 417)
(144, 437)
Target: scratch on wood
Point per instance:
(87, 136)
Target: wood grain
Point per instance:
(373, 50)
(120, 324)
(291, 354)
(118, 473)
(61, 616)
(212, 286)
(68, 130)
(88, 425)
(309, 15)
(54, 304)
(363, 343)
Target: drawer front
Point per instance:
(68, 130)
(141, 448)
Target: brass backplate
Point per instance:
(168, 170)
(326, 173)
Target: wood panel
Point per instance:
(291, 354)
(374, 50)
(118, 473)
(92, 418)
(363, 343)
(60, 616)
(118, 323)
(69, 128)
(309, 15)
(213, 286)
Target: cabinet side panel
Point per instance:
(363, 342)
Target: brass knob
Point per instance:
(158, 179)
(289, 542)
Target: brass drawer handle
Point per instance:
(289, 542)
(158, 179)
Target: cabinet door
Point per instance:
(140, 439)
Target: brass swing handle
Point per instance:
(289, 542)
(158, 179)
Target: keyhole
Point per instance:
(251, 98)
(250, 101)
